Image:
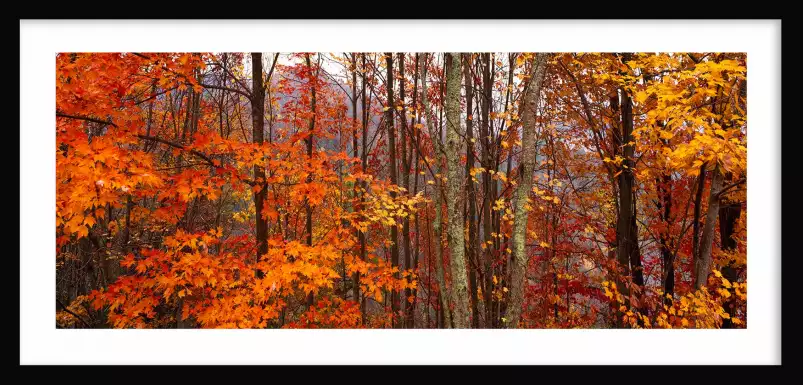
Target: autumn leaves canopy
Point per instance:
(467, 190)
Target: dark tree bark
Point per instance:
(258, 130)
(628, 252)
(667, 256)
(729, 214)
(309, 140)
(698, 206)
(363, 163)
(470, 207)
(488, 186)
(704, 263)
(444, 317)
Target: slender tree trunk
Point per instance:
(414, 159)
(443, 295)
(363, 163)
(416, 248)
(519, 254)
(698, 206)
(355, 150)
(310, 138)
(258, 130)
(150, 117)
(704, 262)
(728, 216)
(627, 251)
(471, 200)
(430, 238)
(487, 186)
(665, 209)
(454, 184)
(405, 179)
(186, 127)
(394, 231)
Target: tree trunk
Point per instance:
(435, 196)
(454, 183)
(628, 253)
(470, 206)
(258, 130)
(665, 209)
(405, 179)
(356, 154)
(728, 216)
(698, 206)
(410, 317)
(311, 130)
(363, 163)
(394, 231)
(519, 254)
(489, 192)
(704, 262)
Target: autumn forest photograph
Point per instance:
(411, 190)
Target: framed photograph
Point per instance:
(412, 192)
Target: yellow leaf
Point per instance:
(641, 96)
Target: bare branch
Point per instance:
(87, 118)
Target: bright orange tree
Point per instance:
(165, 173)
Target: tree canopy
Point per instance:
(401, 190)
